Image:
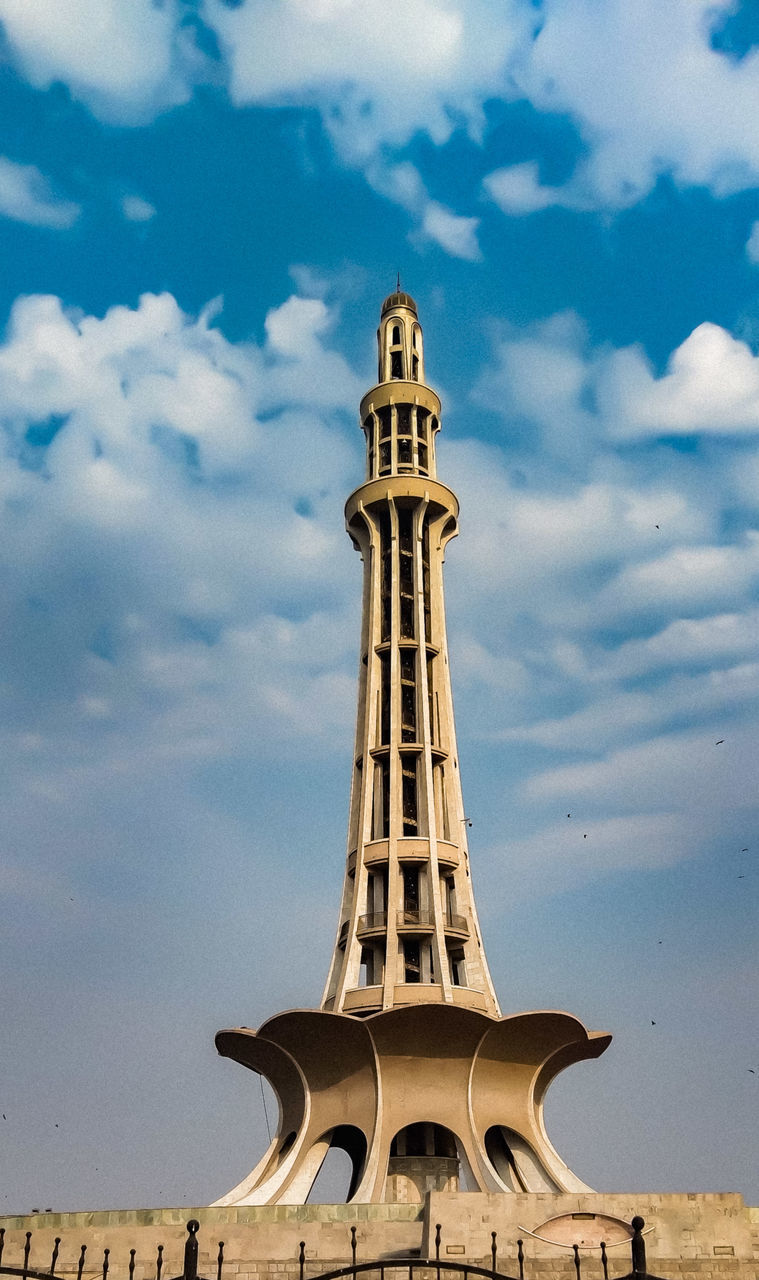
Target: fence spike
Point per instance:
(604, 1260)
(520, 1258)
(80, 1267)
(54, 1258)
(494, 1250)
(302, 1258)
(438, 1238)
(219, 1260)
(132, 1252)
(190, 1271)
(2, 1242)
(106, 1263)
(353, 1245)
(159, 1262)
(638, 1247)
(576, 1249)
(27, 1248)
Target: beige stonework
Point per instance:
(688, 1236)
(408, 1066)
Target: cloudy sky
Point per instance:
(202, 205)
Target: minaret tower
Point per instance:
(407, 1066)
(408, 929)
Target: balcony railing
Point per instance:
(374, 920)
(413, 917)
(458, 924)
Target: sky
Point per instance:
(202, 205)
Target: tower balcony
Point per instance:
(377, 851)
(412, 920)
(448, 855)
(456, 926)
(373, 923)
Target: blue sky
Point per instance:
(202, 205)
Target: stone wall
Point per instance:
(688, 1237)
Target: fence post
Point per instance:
(638, 1247)
(190, 1271)
(520, 1258)
(438, 1238)
(578, 1264)
(54, 1258)
(302, 1258)
(604, 1260)
(27, 1247)
(2, 1242)
(494, 1250)
(353, 1245)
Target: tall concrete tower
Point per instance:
(408, 1066)
(408, 930)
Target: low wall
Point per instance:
(688, 1237)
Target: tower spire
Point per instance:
(408, 930)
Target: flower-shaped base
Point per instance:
(367, 1085)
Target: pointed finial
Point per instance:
(398, 282)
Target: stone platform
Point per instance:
(688, 1236)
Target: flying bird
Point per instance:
(719, 742)
(653, 1024)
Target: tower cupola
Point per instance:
(401, 349)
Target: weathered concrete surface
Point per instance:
(688, 1237)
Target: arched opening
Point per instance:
(515, 1162)
(341, 1169)
(423, 1157)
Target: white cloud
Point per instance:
(402, 183)
(517, 189)
(135, 457)
(418, 65)
(690, 578)
(456, 234)
(127, 62)
(135, 209)
(566, 855)
(688, 641)
(620, 715)
(666, 102)
(681, 773)
(27, 196)
(711, 385)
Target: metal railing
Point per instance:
(387, 1268)
(374, 920)
(413, 916)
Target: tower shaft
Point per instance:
(408, 930)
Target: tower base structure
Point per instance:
(427, 1098)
